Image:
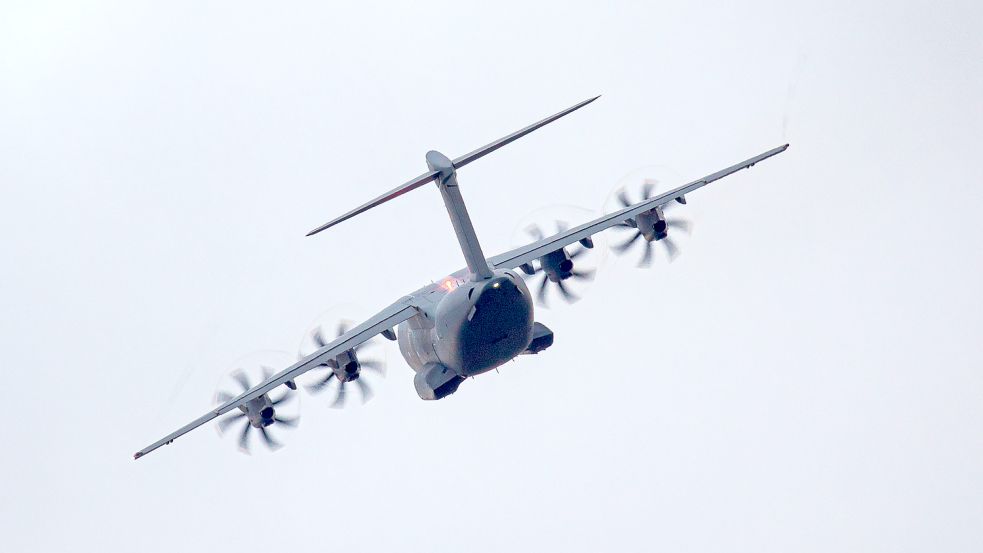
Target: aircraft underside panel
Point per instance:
(416, 345)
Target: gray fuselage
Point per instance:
(469, 326)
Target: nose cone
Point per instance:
(499, 327)
(498, 297)
(498, 290)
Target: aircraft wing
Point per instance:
(386, 319)
(529, 252)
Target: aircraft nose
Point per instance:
(500, 285)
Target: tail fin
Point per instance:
(457, 163)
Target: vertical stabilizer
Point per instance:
(458, 212)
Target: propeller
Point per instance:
(566, 272)
(346, 368)
(558, 267)
(651, 226)
(255, 416)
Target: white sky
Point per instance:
(805, 377)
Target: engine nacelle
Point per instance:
(348, 366)
(345, 366)
(652, 224)
(259, 411)
(558, 265)
(436, 381)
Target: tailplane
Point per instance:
(457, 163)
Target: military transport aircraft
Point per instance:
(470, 322)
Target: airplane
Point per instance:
(475, 319)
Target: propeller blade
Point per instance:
(285, 397)
(567, 294)
(365, 389)
(541, 292)
(318, 338)
(373, 364)
(270, 442)
(623, 198)
(586, 274)
(318, 387)
(680, 224)
(222, 397)
(535, 232)
(647, 189)
(647, 256)
(244, 438)
(267, 373)
(562, 226)
(339, 400)
(290, 422)
(223, 424)
(671, 249)
(240, 377)
(622, 248)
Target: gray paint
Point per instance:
(447, 183)
(156, 193)
(473, 326)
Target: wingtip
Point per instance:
(137, 455)
(317, 230)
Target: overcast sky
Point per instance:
(806, 376)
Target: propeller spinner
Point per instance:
(256, 416)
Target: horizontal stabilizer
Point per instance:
(395, 192)
(457, 163)
(489, 148)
